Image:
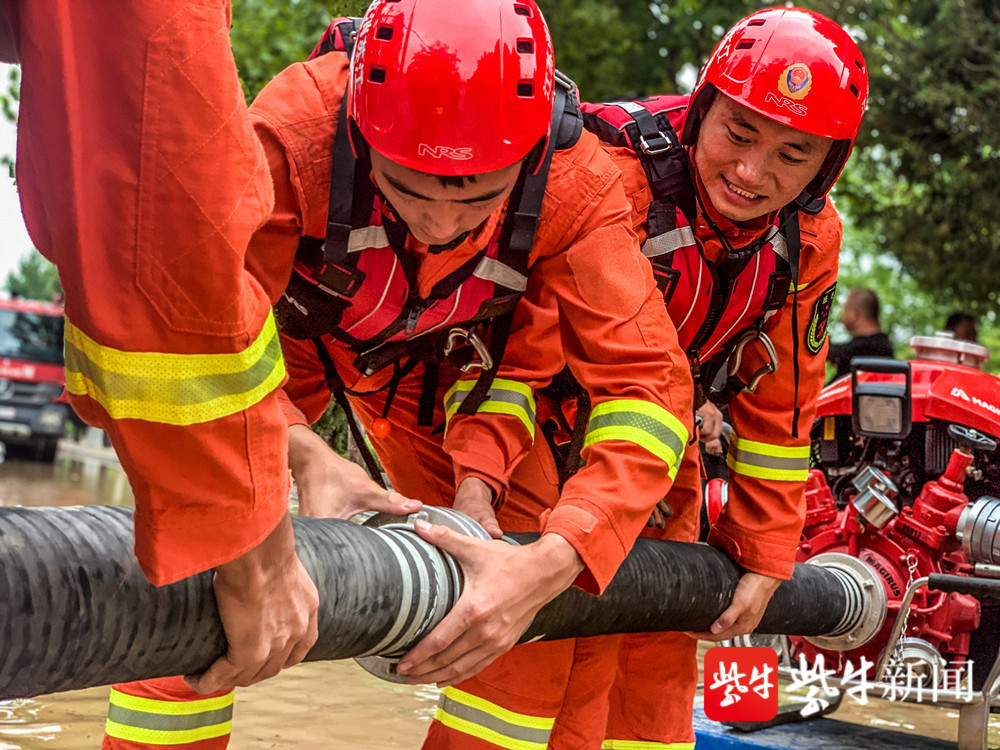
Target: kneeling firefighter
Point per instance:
(734, 217)
(446, 239)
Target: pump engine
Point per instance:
(906, 482)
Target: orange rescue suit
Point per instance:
(590, 302)
(141, 179)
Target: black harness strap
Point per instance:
(336, 386)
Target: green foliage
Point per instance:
(35, 278)
(332, 427)
(268, 36)
(924, 179)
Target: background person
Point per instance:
(963, 326)
(860, 318)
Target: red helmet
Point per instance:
(797, 68)
(452, 88)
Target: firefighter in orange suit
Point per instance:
(141, 179)
(473, 244)
(434, 247)
(744, 241)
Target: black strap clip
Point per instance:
(336, 273)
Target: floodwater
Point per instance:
(309, 707)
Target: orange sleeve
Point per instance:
(141, 179)
(592, 305)
(762, 521)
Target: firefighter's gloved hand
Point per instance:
(505, 586)
(750, 599)
(330, 486)
(660, 514)
(474, 498)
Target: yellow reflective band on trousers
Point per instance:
(644, 745)
(155, 722)
(647, 425)
(477, 717)
(766, 461)
(504, 397)
(177, 389)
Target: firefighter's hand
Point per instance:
(268, 604)
(660, 514)
(330, 486)
(505, 586)
(750, 599)
(474, 498)
(711, 423)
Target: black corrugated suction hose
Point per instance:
(76, 611)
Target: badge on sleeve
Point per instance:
(820, 320)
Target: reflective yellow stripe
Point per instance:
(158, 722)
(647, 425)
(477, 717)
(178, 389)
(641, 745)
(176, 708)
(504, 397)
(829, 428)
(766, 461)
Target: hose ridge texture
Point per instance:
(76, 610)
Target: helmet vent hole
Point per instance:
(854, 89)
(861, 65)
(522, 10)
(757, 22)
(376, 75)
(745, 45)
(525, 46)
(384, 33)
(525, 89)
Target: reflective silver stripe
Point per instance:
(504, 397)
(631, 107)
(779, 245)
(767, 461)
(469, 714)
(493, 270)
(647, 425)
(668, 242)
(367, 237)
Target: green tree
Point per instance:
(34, 278)
(268, 37)
(924, 178)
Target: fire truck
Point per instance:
(31, 375)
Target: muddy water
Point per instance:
(310, 707)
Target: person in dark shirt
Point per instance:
(963, 326)
(860, 317)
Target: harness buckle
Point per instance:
(658, 144)
(343, 280)
(460, 336)
(736, 359)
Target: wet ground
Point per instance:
(310, 707)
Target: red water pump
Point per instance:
(905, 486)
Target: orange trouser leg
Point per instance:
(166, 713)
(514, 702)
(657, 673)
